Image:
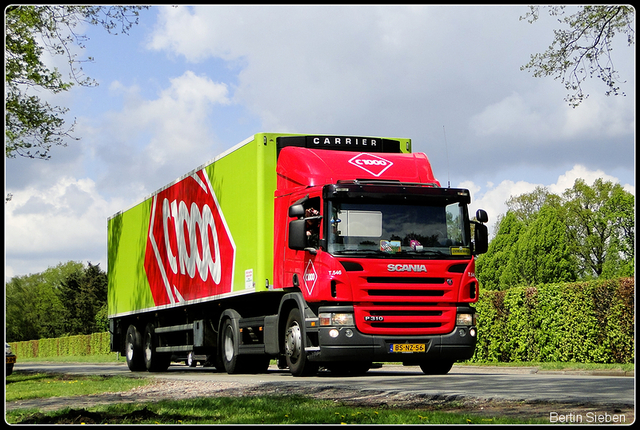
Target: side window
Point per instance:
(312, 216)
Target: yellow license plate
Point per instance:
(407, 347)
(11, 360)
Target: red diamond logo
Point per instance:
(371, 164)
(310, 277)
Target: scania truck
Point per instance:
(318, 251)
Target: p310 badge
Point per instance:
(372, 318)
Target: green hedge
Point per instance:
(586, 322)
(91, 344)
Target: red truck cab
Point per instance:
(382, 254)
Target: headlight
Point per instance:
(332, 319)
(466, 319)
(8, 348)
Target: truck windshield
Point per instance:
(395, 230)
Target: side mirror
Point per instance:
(481, 239)
(296, 211)
(297, 233)
(481, 215)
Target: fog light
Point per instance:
(334, 333)
(348, 332)
(472, 332)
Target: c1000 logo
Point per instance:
(371, 164)
(190, 252)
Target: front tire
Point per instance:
(232, 363)
(294, 338)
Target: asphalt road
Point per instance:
(498, 383)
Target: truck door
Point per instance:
(305, 224)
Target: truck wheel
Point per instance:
(294, 337)
(133, 349)
(154, 361)
(436, 367)
(230, 360)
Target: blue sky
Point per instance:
(188, 83)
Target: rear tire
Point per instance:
(294, 339)
(234, 363)
(133, 349)
(154, 361)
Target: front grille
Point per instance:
(405, 313)
(405, 304)
(410, 289)
(406, 325)
(411, 320)
(407, 293)
(403, 280)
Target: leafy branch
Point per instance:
(584, 50)
(32, 126)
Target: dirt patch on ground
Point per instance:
(174, 390)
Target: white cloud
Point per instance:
(494, 198)
(152, 142)
(64, 221)
(589, 176)
(602, 116)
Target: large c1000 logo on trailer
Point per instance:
(190, 252)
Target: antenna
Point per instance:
(447, 150)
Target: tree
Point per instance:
(600, 225)
(587, 232)
(32, 125)
(542, 252)
(68, 299)
(491, 267)
(584, 49)
(526, 206)
(83, 295)
(33, 306)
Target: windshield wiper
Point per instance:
(425, 251)
(361, 251)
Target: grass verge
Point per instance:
(25, 386)
(249, 410)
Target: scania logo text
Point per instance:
(407, 268)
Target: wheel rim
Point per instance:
(129, 350)
(228, 344)
(293, 344)
(148, 347)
